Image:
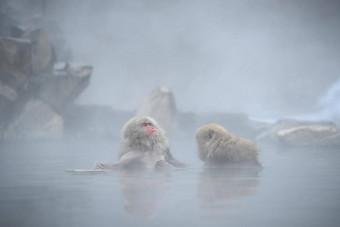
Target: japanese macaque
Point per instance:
(217, 146)
(144, 145)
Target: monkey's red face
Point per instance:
(148, 127)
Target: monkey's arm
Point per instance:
(106, 166)
(170, 159)
(126, 160)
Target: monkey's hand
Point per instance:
(171, 160)
(162, 165)
(104, 166)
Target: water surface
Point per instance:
(296, 187)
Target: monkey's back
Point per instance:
(231, 148)
(237, 149)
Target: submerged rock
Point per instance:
(332, 140)
(37, 120)
(303, 133)
(160, 104)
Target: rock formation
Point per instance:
(302, 133)
(35, 90)
(37, 120)
(160, 104)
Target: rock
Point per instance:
(15, 63)
(43, 54)
(56, 37)
(7, 18)
(8, 93)
(302, 133)
(64, 86)
(332, 140)
(37, 120)
(160, 104)
(7, 99)
(34, 90)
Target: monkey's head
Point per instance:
(143, 134)
(208, 138)
(141, 127)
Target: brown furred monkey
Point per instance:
(144, 145)
(217, 146)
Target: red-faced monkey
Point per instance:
(144, 145)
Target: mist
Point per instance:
(267, 59)
(73, 72)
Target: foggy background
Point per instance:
(266, 58)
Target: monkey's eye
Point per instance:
(210, 135)
(144, 124)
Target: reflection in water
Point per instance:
(142, 192)
(218, 188)
(36, 190)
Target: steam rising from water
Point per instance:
(328, 107)
(265, 58)
(330, 103)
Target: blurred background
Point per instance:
(264, 59)
(72, 72)
(268, 59)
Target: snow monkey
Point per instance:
(217, 146)
(143, 145)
